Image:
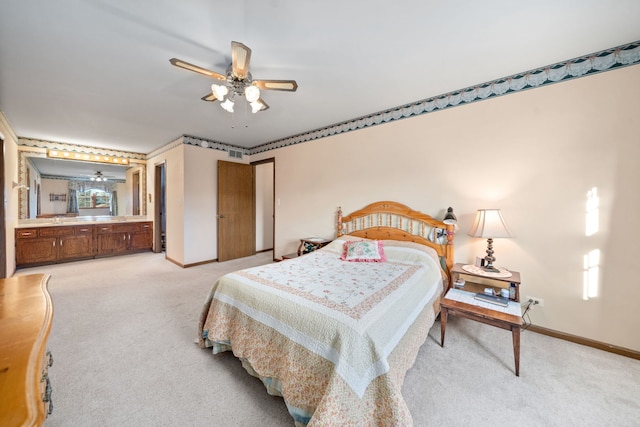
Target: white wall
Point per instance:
(191, 190)
(533, 154)
(173, 160)
(200, 203)
(11, 203)
(55, 186)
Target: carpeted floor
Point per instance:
(124, 355)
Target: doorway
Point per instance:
(160, 215)
(135, 178)
(265, 204)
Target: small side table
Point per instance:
(313, 242)
(463, 304)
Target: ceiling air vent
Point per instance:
(235, 154)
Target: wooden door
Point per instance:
(236, 211)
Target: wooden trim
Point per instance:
(179, 264)
(634, 354)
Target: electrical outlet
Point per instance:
(536, 300)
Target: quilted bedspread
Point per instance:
(334, 338)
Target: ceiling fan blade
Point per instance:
(187, 66)
(240, 58)
(209, 98)
(288, 85)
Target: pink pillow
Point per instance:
(363, 251)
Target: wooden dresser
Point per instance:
(26, 312)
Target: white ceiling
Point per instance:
(97, 72)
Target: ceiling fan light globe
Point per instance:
(227, 105)
(255, 106)
(252, 93)
(219, 91)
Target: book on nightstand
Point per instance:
(502, 301)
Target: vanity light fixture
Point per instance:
(15, 185)
(62, 154)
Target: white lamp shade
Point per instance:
(489, 224)
(227, 105)
(255, 106)
(219, 91)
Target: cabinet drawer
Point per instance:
(55, 231)
(119, 228)
(83, 229)
(26, 233)
(103, 229)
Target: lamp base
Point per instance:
(490, 269)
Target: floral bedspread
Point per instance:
(326, 333)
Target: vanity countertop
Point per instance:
(58, 222)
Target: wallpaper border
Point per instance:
(621, 56)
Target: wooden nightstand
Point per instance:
(312, 242)
(462, 303)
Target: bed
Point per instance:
(335, 331)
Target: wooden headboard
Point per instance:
(395, 221)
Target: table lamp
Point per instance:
(490, 225)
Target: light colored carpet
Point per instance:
(124, 355)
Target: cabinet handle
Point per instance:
(50, 361)
(26, 234)
(54, 243)
(84, 229)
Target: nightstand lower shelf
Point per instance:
(498, 317)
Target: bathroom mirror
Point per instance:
(100, 189)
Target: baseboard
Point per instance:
(586, 341)
(179, 264)
(200, 263)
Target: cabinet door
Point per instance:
(75, 247)
(142, 239)
(112, 243)
(36, 251)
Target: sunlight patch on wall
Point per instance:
(593, 212)
(591, 262)
(590, 274)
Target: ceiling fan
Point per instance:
(237, 81)
(98, 177)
